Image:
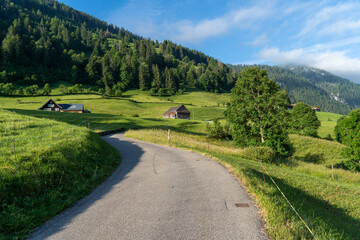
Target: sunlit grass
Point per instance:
(328, 123)
(330, 207)
(45, 166)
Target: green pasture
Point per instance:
(305, 178)
(328, 123)
(328, 206)
(46, 166)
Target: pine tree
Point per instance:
(156, 83)
(144, 76)
(170, 82)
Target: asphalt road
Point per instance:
(159, 193)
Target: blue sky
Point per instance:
(323, 34)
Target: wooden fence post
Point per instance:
(169, 135)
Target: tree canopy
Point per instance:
(304, 120)
(347, 132)
(258, 112)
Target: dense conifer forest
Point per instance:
(44, 41)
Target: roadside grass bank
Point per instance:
(329, 207)
(45, 167)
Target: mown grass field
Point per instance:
(327, 205)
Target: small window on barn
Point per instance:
(47, 109)
(57, 109)
(50, 105)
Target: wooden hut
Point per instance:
(180, 112)
(51, 105)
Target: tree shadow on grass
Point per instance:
(109, 123)
(130, 153)
(313, 210)
(311, 158)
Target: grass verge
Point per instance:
(329, 207)
(48, 173)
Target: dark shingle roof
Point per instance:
(180, 108)
(45, 104)
(72, 107)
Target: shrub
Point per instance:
(47, 89)
(7, 89)
(265, 154)
(216, 130)
(64, 89)
(32, 90)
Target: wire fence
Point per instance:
(287, 200)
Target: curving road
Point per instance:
(159, 193)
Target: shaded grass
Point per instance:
(330, 207)
(49, 173)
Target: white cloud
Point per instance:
(336, 62)
(334, 44)
(259, 41)
(187, 31)
(324, 19)
(147, 23)
(340, 27)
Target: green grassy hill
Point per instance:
(329, 206)
(45, 166)
(328, 123)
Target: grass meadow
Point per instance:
(53, 171)
(329, 206)
(45, 166)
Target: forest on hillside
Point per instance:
(45, 41)
(314, 86)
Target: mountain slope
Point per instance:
(44, 41)
(315, 87)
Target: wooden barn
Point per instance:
(180, 112)
(51, 105)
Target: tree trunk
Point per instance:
(262, 135)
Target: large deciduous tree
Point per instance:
(304, 120)
(347, 132)
(258, 112)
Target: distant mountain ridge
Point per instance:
(314, 86)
